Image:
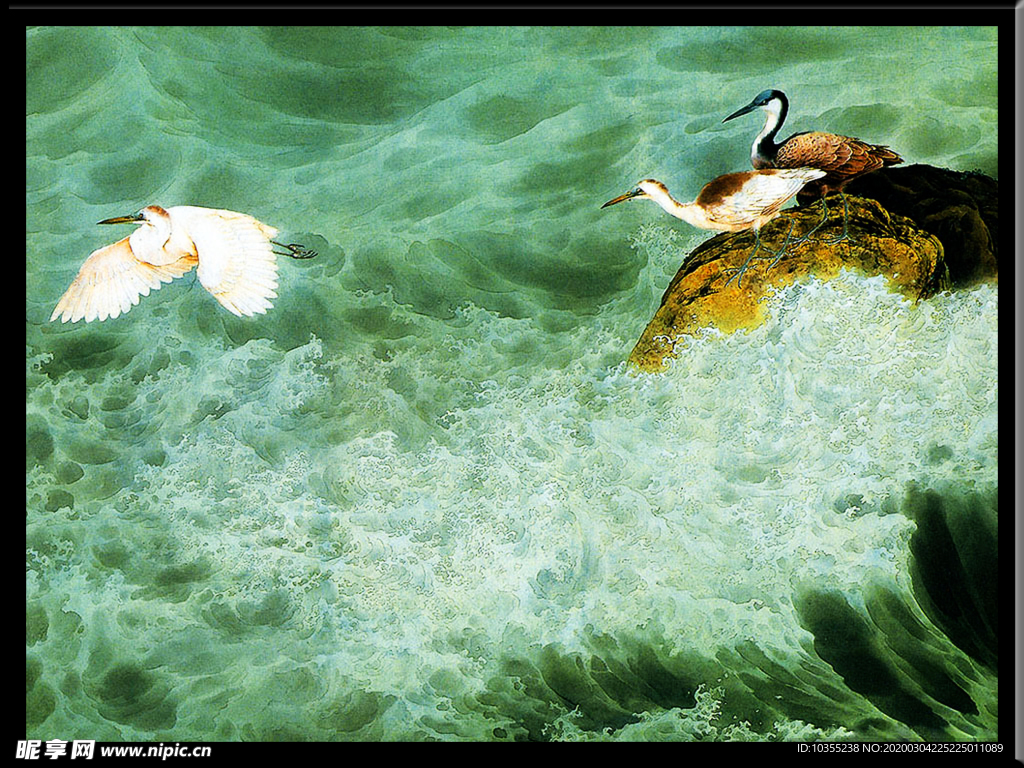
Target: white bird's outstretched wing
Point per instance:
(237, 263)
(111, 281)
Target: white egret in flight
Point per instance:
(234, 253)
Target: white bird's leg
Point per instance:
(761, 246)
(785, 244)
(738, 277)
(295, 250)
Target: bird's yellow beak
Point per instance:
(628, 196)
(122, 219)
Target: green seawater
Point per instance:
(422, 498)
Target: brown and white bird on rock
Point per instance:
(842, 158)
(734, 202)
(234, 254)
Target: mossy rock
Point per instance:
(960, 208)
(706, 292)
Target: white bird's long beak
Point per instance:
(122, 219)
(628, 196)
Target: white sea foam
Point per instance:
(423, 497)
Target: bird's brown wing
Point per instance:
(111, 281)
(842, 156)
(237, 263)
(758, 198)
